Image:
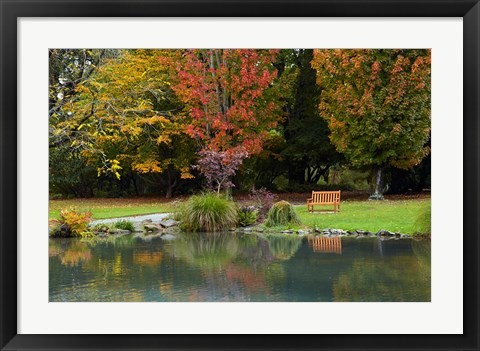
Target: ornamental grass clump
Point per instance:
(281, 213)
(207, 213)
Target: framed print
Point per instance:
(279, 128)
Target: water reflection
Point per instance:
(238, 267)
(70, 253)
(325, 245)
(283, 247)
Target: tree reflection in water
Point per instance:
(394, 278)
(238, 267)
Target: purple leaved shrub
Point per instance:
(218, 167)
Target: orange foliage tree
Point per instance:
(377, 105)
(229, 96)
(231, 99)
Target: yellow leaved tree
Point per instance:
(130, 122)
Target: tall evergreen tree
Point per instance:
(308, 152)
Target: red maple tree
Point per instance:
(229, 96)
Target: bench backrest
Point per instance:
(326, 196)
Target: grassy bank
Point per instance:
(404, 216)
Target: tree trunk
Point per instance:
(171, 182)
(378, 185)
(134, 181)
(169, 192)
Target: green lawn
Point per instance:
(404, 216)
(110, 208)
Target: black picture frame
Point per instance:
(11, 10)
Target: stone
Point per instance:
(247, 229)
(288, 231)
(259, 230)
(146, 221)
(383, 232)
(301, 232)
(152, 227)
(376, 197)
(336, 232)
(169, 223)
(317, 230)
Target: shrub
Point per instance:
(125, 225)
(282, 213)
(207, 212)
(219, 167)
(263, 199)
(247, 215)
(71, 223)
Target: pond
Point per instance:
(238, 267)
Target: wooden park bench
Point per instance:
(324, 198)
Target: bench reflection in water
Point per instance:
(325, 245)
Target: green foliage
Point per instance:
(71, 223)
(282, 213)
(207, 213)
(87, 234)
(308, 153)
(247, 215)
(124, 225)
